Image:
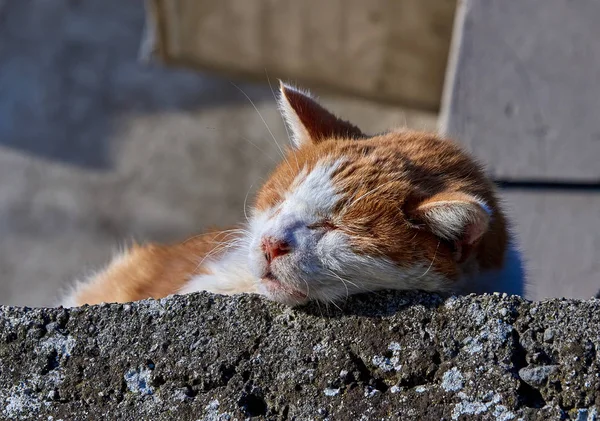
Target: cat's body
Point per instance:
(344, 213)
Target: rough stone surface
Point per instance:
(391, 356)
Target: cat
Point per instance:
(343, 213)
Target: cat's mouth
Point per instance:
(275, 286)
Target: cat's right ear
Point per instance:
(308, 121)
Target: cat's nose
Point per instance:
(273, 248)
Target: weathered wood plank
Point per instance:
(522, 90)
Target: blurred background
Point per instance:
(130, 120)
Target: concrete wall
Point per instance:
(397, 356)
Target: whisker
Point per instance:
(218, 249)
(224, 241)
(362, 288)
(236, 241)
(369, 192)
(343, 282)
(228, 233)
(432, 260)
(245, 201)
(265, 123)
(333, 303)
(260, 149)
(240, 230)
(319, 307)
(307, 288)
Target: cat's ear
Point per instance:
(309, 122)
(456, 217)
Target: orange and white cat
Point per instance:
(343, 213)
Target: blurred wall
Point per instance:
(522, 95)
(97, 148)
(389, 50)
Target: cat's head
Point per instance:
(346, 212)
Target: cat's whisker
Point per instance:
(307, 288)
(261, 150)
(362, 288)
(432, 260)
(333, 303)
(235, 230)
(242, 230)
(265, 123)
(246, 201)
(343, 281)
(369, 193)
(232, 242)
(228, 234)
(370, 286)
(218, 249)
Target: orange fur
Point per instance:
(405, 167)
(150, 271)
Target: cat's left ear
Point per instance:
(308, 121)
(456, 217)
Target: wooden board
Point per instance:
(382, 49)
(522, 89)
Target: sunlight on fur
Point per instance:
(343, 213)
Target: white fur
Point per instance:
(69, 300)
(451, 218)
(311, 194)
(322, 263)
(369, 273)
(311, 198)
(228, 275)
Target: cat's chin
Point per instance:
(275, 290)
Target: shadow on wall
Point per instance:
(70, 69)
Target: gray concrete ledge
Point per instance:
(391, 356)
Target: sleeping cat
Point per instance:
(343, 213)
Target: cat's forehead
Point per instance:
(335, 167)
(388, 166)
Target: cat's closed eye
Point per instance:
(325, 224)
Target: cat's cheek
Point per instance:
(332, 250)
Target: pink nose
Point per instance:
(274, 248)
